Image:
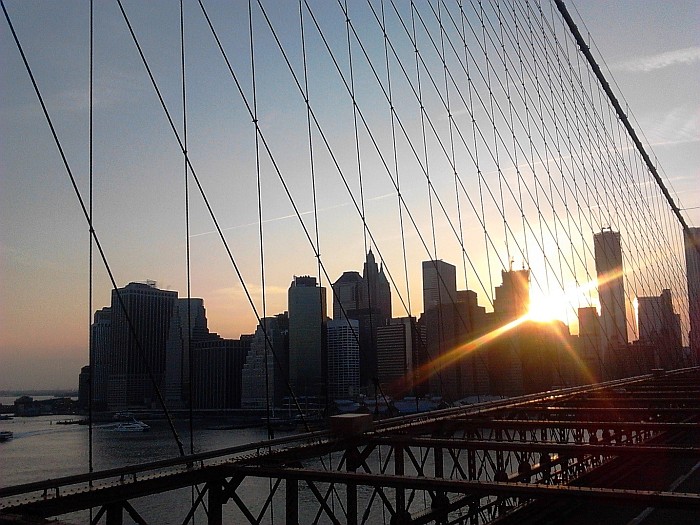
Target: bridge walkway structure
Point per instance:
(614, 451)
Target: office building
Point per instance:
(439, 284)
(513, 296)
(178, 348)
(100, 349)
(397, 343)
(660, 328)
(140, 323)
(343, 358)
(348, 294)
(307, 315)
(378, 294)
(692, 263)
(589, 346)
(611, 292)
(217, 364)
(266, 369)
(84, 388)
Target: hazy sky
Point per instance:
(652, 49)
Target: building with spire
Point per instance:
(378, 295)
(366, 299)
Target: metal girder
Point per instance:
(570, 449)
(586, 425)
(624, 401)
(627, 411)
(486, 488)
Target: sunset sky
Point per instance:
(652, 49)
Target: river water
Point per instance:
(42, 449)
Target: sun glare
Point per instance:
(560, 305)
(547, 309)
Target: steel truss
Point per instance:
(471, 464)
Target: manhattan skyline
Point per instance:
(139, 195)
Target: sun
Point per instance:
(547, 309)
(559, 305)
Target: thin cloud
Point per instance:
(645, 64)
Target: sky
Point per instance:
(652, 50)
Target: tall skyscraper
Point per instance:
(611, 292)
(589, 341)
(178, 348)
(101, 348)
(439, 284)
(348, 294)
(396, 356)
(267, 369)
(660, 327)
(365, 298)
(138, 354)
(378, 294)
(692, 263)
(343, 358)
(307, 315)
(217, 364)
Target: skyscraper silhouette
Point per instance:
(611, 293)
(307, 314)
(139, 353)
(439, 284)
(692, 263)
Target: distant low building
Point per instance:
(84, 388)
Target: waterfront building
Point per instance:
(692, 263)
(181, 333)
(307, 315)
(611, 293)
(84, 388)
(141, 316)
(266, 370)
(217, 364)
(343, 350)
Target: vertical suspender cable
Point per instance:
(187, 229)
(270, 432)
(91, 360)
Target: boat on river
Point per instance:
(5, 435)
(132, 426)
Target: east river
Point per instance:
(41, 449)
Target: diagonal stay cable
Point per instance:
(88, 218)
